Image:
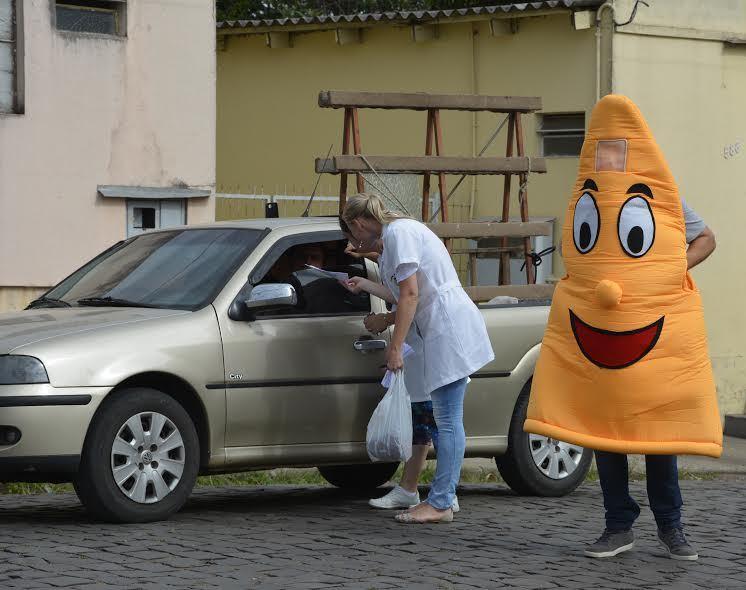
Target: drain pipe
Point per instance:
(608, 5)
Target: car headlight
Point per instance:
(17, 369)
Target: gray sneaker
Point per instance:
(611, 543)
(676, 544)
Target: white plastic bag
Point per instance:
(389, 436)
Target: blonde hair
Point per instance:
(369, 206)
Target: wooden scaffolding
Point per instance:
(513, 164)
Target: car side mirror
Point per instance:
(271, 296)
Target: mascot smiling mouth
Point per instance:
(614, 350)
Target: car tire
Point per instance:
(152, 482)
(539, 466)
(358, 477)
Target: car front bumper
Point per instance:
(53, 423)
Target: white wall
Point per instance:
(138, 110)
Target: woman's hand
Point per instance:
(394, 360)
(376, 323)
(356, 285)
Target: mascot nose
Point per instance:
(608, 293)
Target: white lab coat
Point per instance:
(414, 365)
(454, 336)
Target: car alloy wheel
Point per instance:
(147, 457)
(554, 458)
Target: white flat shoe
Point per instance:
(396, 498)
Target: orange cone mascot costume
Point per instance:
(624, 365)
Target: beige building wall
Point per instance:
(684, 63)
(690, 84)
(101, 110)
(270, 126)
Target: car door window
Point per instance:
(317, 295)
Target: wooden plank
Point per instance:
(422, 101)
(345, 150)
(358, 148)
(485, 293)
(504, 276)
(484, 252)
(474, 279)
(523, 201)
(441, 176)
(429, 164)
(511, 229)
(426, 177)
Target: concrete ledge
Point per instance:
(735, 425)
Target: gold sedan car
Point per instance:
(215, 349)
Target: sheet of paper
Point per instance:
(340, 276)
(389, 376)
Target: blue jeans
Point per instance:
(448, 408)
(664, 494)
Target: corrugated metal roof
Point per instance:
(410, 16)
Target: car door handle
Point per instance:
(369, 345)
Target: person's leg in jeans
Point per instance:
(613, 474)
(448, 408)
(665, 502)
(663, 490)
(621, 509)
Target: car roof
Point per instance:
(262, 223)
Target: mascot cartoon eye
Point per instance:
(586, 223)
(636, 227)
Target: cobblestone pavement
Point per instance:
(319, 537)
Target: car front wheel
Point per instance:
(536, 465)
(141, 458)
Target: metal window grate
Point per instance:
(103, 18)
(562, 134)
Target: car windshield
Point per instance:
(181, 269)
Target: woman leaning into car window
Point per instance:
(420, 274)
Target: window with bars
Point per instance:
(11, 57)
(561, 134)
(99, 17)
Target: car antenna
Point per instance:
(313, 194)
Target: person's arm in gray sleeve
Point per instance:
(700, 238)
